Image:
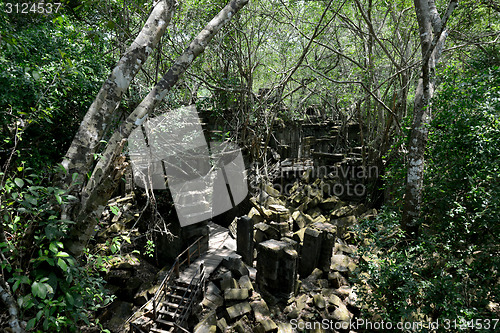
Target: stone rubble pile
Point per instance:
(299, 245)
(232, 304)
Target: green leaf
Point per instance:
(115, 210)
(51, 231)
(58, 198)
(70, 299)
(61, 263)
(31, 324)
(16, 285)
(39, 289)
(114, 248)
(31, 199)
(53, 247)
(39, 315)
(62, 254)
(19, 182)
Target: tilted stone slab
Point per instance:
(238, 294)
(238, 310)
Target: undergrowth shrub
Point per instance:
(54, 291)
(450, 274)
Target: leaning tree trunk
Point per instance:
(80, 155)
(107, 172)
(433, 34)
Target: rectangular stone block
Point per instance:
(310, 251)
(235, 294)
(277, 267)
(244, 239)
(238, 310)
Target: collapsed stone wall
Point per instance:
(299, 258)
(305, 138)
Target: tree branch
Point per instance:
(100, 185)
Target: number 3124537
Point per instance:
(34, 8)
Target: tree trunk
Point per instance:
(107, 172)
(80, 155)
(11, 304)
(433, 34)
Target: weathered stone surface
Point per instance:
(344, 249)
(279, 213)
(319, 219)
(277, 267)
(297, 197)
(117, 313)
(259, 236)
(341, 212)
(272, 191)
(207, 324)
(346, 221)
(323, 283)
(285, 328)
(242, 326)
(298, 236)
(238, 310)
(301, 302)
(319, 301)
(337, 280)
(314, 212)
(236, 266)
(244, 239)
(246, 283)
(293, 244)
(293, 314)
(328, 235)
(310, 251)
(118, 276)
(341, 263)
(341, 313)
(270, 232)
(298, 220)
(329, 203)
(343, 291)
(255, 216)
(212, 300)
(282, 227)
(238, 294)
(266, 326)
(304, 205)
(260, 309)
(222, 325)
(310, 282)
(228, 283)
(351, 299)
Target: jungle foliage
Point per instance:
(451, 271)
(352, 60)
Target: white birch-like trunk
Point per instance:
(107, 172)
(80, 155)
(433, 34)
